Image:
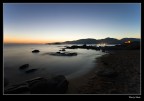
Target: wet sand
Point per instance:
(115, 73)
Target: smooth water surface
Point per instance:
(47, 65)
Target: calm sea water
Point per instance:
(47, 65)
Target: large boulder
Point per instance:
(62, 84)
(56, 85)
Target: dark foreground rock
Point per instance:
(35, 51)
(56, 85)
(22, 88)
(25, 66)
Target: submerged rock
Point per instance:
(30, 70)
(62, 49)
(35, 51)
(24, 66)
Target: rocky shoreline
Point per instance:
(115, 73)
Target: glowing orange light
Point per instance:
(128, 42)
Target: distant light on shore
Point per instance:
(128, 42)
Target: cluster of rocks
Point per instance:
(64, 54)
(86, 47)
(61, 52)
(55, 85)
(83, 47)
(124, 46)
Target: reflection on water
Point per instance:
(47, 65)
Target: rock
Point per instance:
(63, 49)
(24, 66)
(56, 85)
(32, 81)
(17, 90)
(21, 87)
(35, 51)
(72, 47)
(58, 52)
(62, 84)
(43, 86)
(73, 54)
(84, 45)
(64, 54)
(107, 73)
(30, 70)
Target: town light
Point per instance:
(128, 42)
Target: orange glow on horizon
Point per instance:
(28, 41)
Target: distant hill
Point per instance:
(107, 40)
(82, 41)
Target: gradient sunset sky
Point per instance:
(58, 22)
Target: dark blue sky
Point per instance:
(63, 22)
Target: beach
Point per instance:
(116, 73)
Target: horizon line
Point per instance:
(62, 41)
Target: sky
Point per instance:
(59, 22)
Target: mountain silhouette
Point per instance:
(107, 40)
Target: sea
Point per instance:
(16, 55)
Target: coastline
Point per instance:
(115, 73)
